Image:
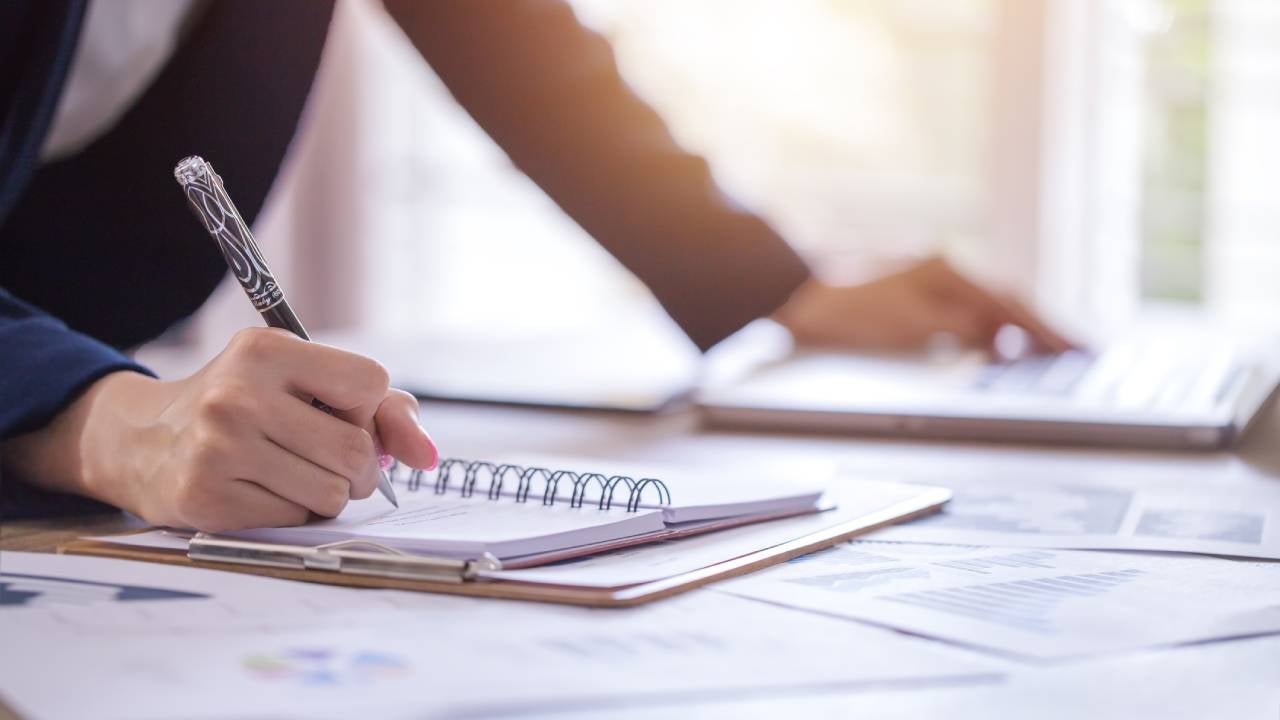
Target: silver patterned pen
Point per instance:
(209, 200)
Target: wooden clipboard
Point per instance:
(928, 501)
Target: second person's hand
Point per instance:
(903, 311)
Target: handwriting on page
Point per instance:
(419, 516)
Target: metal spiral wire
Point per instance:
(467, 474)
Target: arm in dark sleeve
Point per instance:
(548, 91)
(43, 367)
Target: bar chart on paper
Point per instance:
(21, 589)
(1057, 510)
(1162, 517)
(1028, 602)
(1022, 604)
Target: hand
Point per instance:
(235, 445)
(906, 310)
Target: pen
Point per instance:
(208, 198)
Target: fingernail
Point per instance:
(435, 452)
(385, 461)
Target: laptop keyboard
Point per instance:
(1055, 375)
(1137, 378)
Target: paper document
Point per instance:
(869, 500)
(1238, 680)
(1033, 512)
(394, 654)
(42, 580)
(1027, 602)
(695, 494)
(156, 538)
(865, 504)
(466, 527)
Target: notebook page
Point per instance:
(869, 501)
(456, 526)
(694, 495)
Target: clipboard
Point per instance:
(470, 577)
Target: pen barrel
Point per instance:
(281, 315)
(212, 205)
(209, 201)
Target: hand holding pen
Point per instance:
(323, 409)
(271, 432)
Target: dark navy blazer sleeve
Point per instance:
(44, 365)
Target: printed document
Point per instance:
(1034, 512)
(1033, 603)
(383, 653)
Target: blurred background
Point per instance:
(1100, 157)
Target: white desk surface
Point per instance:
(1226, 679)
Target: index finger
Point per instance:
(1046, 337)
(351, 384)
(1009, 311)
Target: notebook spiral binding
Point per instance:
(525, 477)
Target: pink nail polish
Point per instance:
(385, 461)
(435, 451)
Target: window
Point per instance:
(1161, 147)
(1175, 45)
(854, 126)
(1242, 227)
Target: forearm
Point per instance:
(237, 444)
(45, 369)
(75, 452)
(549, 92)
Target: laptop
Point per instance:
(1156, 389)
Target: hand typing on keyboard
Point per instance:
(906, 310)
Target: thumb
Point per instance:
(401, 435)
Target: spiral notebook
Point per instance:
(455, 523)
(523, 515)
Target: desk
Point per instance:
(472, 430)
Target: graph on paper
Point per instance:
(1165, 517)
(17, 589)
(1024, 604)
(324, 666)
(864, 569)
(1027, 601)
(1058, 510)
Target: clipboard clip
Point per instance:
(341, 557)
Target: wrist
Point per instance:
(106, 424)
(796, 313)
(82, 450)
